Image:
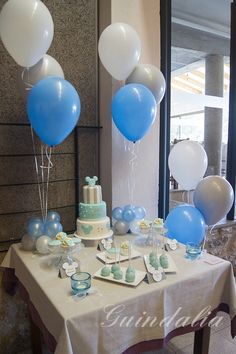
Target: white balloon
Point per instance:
(26, 29)
(42, 244)
(47, 66)
(151, 77)
(188, 163)
(119, 49)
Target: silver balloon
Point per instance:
(28, 242)
(151, 77)
(213, 197)
(42, 244)
(47, 66)
(121, 227)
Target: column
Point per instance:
(214, 86)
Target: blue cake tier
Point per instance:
(92, 211)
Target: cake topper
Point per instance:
(91, 180)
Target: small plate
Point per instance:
(171, 269)
(102, 257)
(139, 276)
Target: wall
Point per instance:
(75, 24)
(75, 48)
(137, 182)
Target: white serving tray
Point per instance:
(139, 276)
(171, 269)
(101, 256)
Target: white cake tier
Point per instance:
(92, 194)
(90, 229)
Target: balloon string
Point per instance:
(42, 175)
(188, 196)
(49, 155)
(205, 238)
(26, 82)
(127, 149)
(49, 166)
(132, 163)
(37, 170)
(204, 242)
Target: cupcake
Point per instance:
(124, 248)
(158, 224)
(67, 242)
(61, 236)
(76, 240)
(54, 246)
(144, 226)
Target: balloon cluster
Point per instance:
(212, 198)
(53, 104)
(127, 218)
(39, 232)
(134, 105)
(53, 107)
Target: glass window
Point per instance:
(200, 78)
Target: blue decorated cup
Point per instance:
(193, 250)
(80, 283)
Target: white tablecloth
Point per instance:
(113, 318)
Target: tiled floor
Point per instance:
(220, 342)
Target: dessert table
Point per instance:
(115, 318)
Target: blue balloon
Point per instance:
(53, 216)
(129, 206)
(52, 228)
(53, 108)
(35, 219)
(35, 227)
(185, 223)
(133, 111)
(117, 213)
(128, 215)
(140, 212)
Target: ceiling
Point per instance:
(199, 28)
(193, 80)
(206, 15)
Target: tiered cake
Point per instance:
(93, 223)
